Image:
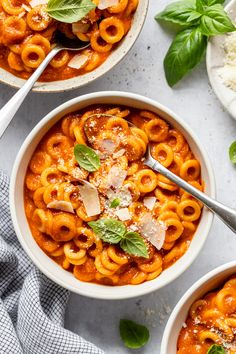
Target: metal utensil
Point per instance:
(11, 107)
(226, 214)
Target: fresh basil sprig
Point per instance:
(232, 152)
(216, 349)
(114, 232)
(87, 158)
(199, 20)
(184, 53)
(133, 334)
(69, 11)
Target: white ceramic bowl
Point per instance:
(49, 267)
(116, 56)
(215, 61)
(207, 283)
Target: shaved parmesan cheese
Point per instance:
(104, 4)
(80, 27)
(22, 14)
(107, 145)
(78, 61)
(90, 198)
(34, 3)
(118, 153)
(61, 205)
(123, 214)
(122, 194)
(26, 8)
(116, 177)
(149, 202)
(152, 230)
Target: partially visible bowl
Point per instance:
(116, 56)
(215, 61)
(47, 265)
(207, 283)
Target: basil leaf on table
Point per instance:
(181, 12)
(232, 152)
(216, 349)
(109, 230)
(184, 54)
(215, 21)
(133, 334)
(87, 157)
(69, 11)
(134, 244)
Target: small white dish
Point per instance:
(51, 268)
(215, 60)
(115, 57)
(207, 283)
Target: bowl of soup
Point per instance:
(87, 210)
(28, 34)
(204, 319)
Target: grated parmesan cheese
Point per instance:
(228, 72)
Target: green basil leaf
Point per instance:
(133, 334)
(210, 2)
(215, 21)
(69, 11)
(108, 230)
(232, 152)
(184, 54)
(181, 12)
(216, 349)
(115, 203)
(134, 244)
(87, 157)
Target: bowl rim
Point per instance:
(122, 50)
(187, 295)
(139, 289)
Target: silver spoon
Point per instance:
(226, 214)
(11, 107)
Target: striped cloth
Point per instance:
(32, 308)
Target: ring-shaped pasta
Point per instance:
(117, 257)
(117, 124)
(86, 271)
(100, 268)
(60, 60)
(153, 265)
(156, 130)
(50, 175)
(139, 133)
(33, 181)
(146, 180)
(190, 170)
(38, 19)
(108, 263)
(15, 62)
(134, 146)
(32, 55)
(52, 193)
(57, 145)
(96, 247)
(94, 61)
(39, 162)
(175, 140)
(226, 300)
(38, 198)
(98, 44)
(138, 210)
(63, 227)
(14, 30)
(138, 278)
(163, 153)
(174, 230)
(84, 238)
(41, 41)
(120, 7)
(189, 210)
(11, 9)
(133, 189)
(111, 29)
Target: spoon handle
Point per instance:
(226, 214)
(11, 107)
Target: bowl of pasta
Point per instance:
(28, 32)
(203, 321)
(91, 215)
